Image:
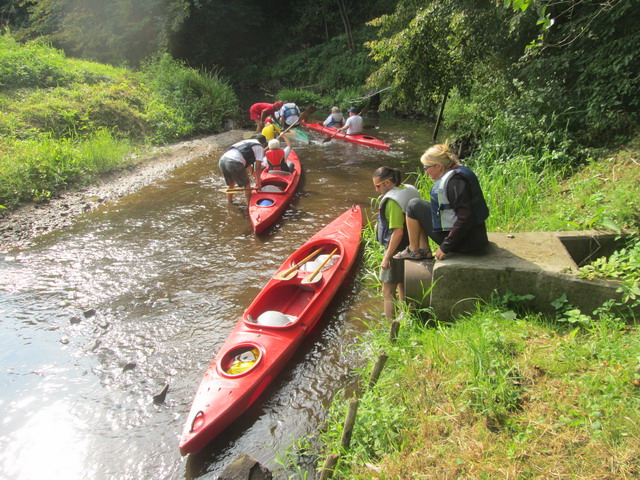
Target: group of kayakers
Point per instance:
(251, 156)
(351, 126)
(453, 217)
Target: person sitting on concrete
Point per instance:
(238, 159)
(275, 158)
(354, 123)
(335, 119)
(455, 216)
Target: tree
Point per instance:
(426, 48)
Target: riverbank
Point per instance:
(19, 227)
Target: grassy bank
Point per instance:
(504, 392)
(65, 121)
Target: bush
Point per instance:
(200, 100)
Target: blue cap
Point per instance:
(352, 110)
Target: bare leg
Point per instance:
(401, 292)
(388, 295)
(230, 195)
(415, 231)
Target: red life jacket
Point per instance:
(275, 159)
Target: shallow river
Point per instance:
(167, 272)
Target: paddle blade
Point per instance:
(304, 115)
(286, 276)
(299, 134)
(311, 278)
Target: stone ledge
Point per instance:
(543, 264)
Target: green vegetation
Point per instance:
(504, 392)
(538, 92)
(65, 121)
(498, 394)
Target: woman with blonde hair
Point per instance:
(335, 118)
(454, 218)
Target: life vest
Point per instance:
(442, 213)
(276, 160)
(290, 109)
(337, 120)
(270, 131)
(245, 147)
(401, 196)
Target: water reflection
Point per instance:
(97, 319)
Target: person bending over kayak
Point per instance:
(288, 114)
(275, 158)
(261, 111)
(271, 130)
(354, 123)
(455, 216)
(238, 159)
(391, 232)
(335, 120)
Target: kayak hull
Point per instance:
(266, 207)
(224, 394)
(360, 139)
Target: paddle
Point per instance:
(293, 271)
(239, 189)
(312, 278)
(366, 107)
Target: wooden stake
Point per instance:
(377, 369)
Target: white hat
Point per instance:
(274, 144)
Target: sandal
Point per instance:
(419, 254)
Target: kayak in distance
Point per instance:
(268, 204)
(272, 328)
(361, 139)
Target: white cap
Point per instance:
(273, 144)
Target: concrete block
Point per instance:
(543, 264)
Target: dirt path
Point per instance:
(19, 227)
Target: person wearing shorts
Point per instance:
(242, 157)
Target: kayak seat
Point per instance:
(273, 318)
(270, 188)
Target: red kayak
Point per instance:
(269, 203)
(272, 328)
(362, 139)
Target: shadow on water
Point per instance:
(96, 320)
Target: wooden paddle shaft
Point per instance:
(297, 265)
(310, 278)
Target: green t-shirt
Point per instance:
(394, 214)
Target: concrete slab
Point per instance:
(543, 264)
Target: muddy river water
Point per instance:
(96, 319)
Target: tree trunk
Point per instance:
(437, 127)
(347, 25)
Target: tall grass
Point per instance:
(59, 112)
(497, 395)
(37, 168)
